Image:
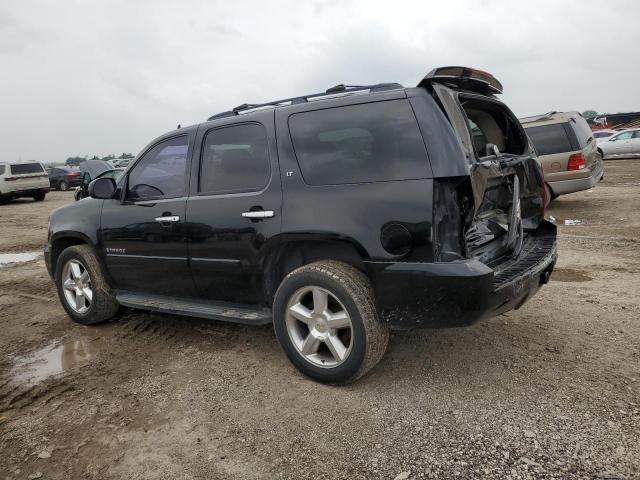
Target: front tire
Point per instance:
(38, 197)
(326, 321)
(82, 288)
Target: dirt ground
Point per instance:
(549, 391)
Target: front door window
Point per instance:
(160, 174)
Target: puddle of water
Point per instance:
(9, 258)
(56, 358)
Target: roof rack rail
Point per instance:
(340, 89)
(539, 118)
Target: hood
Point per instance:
(95, 167)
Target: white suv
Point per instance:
(23, 179)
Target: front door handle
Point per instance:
(258, 214)
(169, 218)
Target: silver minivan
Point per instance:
(567, 149)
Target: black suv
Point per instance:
(334, 215)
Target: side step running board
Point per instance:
(228, 312)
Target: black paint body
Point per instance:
(214, 253)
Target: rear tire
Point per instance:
(62, 186)
(82, 288)
(326, 321)
(38, 197)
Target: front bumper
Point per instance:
(453, 294)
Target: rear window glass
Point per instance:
(25, 168)
(549, 139)
(359, 143)
(602, 134)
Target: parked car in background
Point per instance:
(23, 179)
(602, 135)
(334, 215)
(83, 191)
(121, 162)
(567, 149)
(622, 144)
(92, 169)
(63, 178)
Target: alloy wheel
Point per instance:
(76, 284)
(319, 326)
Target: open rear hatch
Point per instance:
(506, 181)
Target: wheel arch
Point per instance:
(285, 253)
(64, 240)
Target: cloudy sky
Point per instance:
(98, 77)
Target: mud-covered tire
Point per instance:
(103, 304)
(369, 335)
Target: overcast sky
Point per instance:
(98, 77)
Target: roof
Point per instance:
(12, 162)
(548, 118)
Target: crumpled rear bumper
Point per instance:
(452, 294)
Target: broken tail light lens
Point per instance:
(576, 162)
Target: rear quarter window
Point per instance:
(26, 168)
(359, 144)
(550, 139)
(2, 169)
(582, 130)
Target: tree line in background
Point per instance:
(75, 161)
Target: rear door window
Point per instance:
(549, 139)
(234, 159)
(26, 168)
(370, 142)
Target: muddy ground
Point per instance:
(549, 391)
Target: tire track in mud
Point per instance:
(18, 396)
(143, 325)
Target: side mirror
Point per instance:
(102, 188)
(613, 139)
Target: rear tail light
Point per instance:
(72, 174)
(576, 162)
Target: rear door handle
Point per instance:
(258, 214)
(169, 218)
